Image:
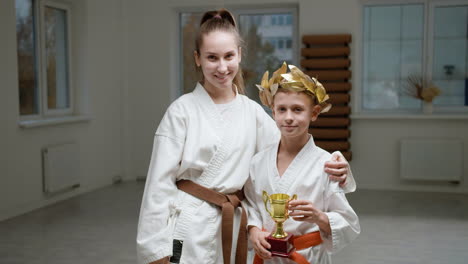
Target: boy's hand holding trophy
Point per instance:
(280, 241)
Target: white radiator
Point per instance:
(60, 165)
(431, 159)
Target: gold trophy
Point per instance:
(280, 241)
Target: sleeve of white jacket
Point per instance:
(267, 131)
(154, 237)
(254, 218)
(350, 185)
(344, 222)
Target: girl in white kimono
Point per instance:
(200, 161)
(322, 222)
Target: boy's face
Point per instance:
(293, 112)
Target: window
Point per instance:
(280, 20)
(266, 46)
(274, 20)
(258, 20)
(280, 44)
(449, 54)
(424, 39)
(271, 42)
(43, 47)
(188, 28)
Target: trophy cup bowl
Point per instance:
(278, 210)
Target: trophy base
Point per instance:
(281, 247)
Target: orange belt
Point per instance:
(227, 202)
(299, 242)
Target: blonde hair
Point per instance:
(312, 97)
(220, 20)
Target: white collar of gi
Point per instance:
(200, 90)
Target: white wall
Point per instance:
(375, 145)
(149, 77)
(97, 64)
(152, 53)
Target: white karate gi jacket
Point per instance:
(306, 178)
(193, 141)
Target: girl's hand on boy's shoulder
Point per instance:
(303, 210)
(259, 242)
(337, 168)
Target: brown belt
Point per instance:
(227, 202)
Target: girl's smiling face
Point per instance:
(219, 59)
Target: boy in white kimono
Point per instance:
(322, 221)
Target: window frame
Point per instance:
(44, 113)
(427, 49)
(430, 48)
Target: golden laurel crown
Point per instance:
(295, 81)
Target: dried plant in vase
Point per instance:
(418, 88)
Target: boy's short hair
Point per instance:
(295, 81)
